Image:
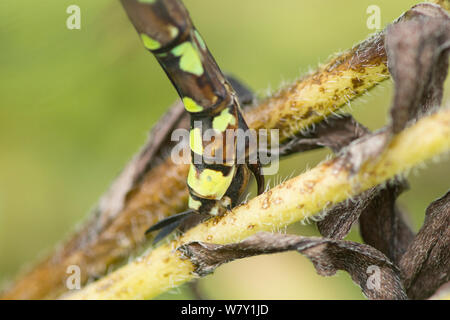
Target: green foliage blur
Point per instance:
(75, 105)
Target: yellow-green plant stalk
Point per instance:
(299, 198)
(317, 95)
(443, 3)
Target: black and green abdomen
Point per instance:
(166, 30)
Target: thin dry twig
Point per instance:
(327, 255)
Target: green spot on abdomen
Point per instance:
(194, 204)
(195, 141)
(210, 183)
(221, 122)
(150, 43)
(190, 58)
(191, 106)
(173, 31)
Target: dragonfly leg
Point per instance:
(169, 220)
(256, 169)
(165, 231)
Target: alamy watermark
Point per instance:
(374, 19)
(73, 22)
(374, 280)
(73, 281)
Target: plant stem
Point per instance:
(299, 198)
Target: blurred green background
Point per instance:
(75, 105)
